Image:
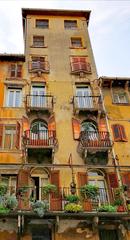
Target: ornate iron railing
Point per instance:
(39, 102)
(86, 102)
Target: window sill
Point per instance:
(10, 150)
(77, 47)
(16, 108)
(38, 46)
(121, 104)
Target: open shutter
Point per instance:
(75, 64)
(123, 134)
(25, 126)
(103, 133)
(113, 180)
(76, 128)
(23, 190)
(82, 178)
(55, 198)
(19, 70)
(116, 132)
(1, 134)
(126, 181)
(52, 127)
(17, 142)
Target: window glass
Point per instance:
(14, 97)
(70, 24)
(38, 41)
(10, 137)
(42, 23)
(120, 97)
(76, 42)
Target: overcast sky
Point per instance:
(109, 30)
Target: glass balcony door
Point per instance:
(38, 97)
(84, 97)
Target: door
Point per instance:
(41, 232)
(39, 132)
(108, 234)
(38, 97)
(84, 97)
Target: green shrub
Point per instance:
(118, 202)
(72, 198)
(11, 202)
(4, 210)
(89, 191)
(73, 208)
(107, 208)
(48, 188)
(3, 188)
(40, 207)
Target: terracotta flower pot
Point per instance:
(87, 205)
(121, 208)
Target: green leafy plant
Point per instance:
(4, 210)
(3, 188)
(73, 208)
(11, 202)
(23, 189)
(72, 198)
(48, 188)
(89, 191)
(40, 207)
(107, 208)
(118, 202)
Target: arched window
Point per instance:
(89, 131)
(88, 126)
(39, 130)
(96, 177)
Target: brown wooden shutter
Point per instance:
(52, 126)
(82, 178)
(23, 180)
(17, 142)
(76, 128)
(19, 70)
(1, 134)
(25, 126)
(116, 132)
(113, 180)
(126, 181)
(56, 199)
(75, 64)
(123, 134)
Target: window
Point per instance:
(42, 23)
(10, 137)
(84, 97)
(38, 98)
(15, 70)
(76, 42)
(119, 133)
(10, 181)
(70, 24)
(120, 97)
(38, 41)
(14, 97)
(39, 130)
(80, 64)
(37, 62)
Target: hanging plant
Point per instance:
(48, 188)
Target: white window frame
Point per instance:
(14, 90)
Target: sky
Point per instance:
(109, 30)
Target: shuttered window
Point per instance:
(113, 180)
(15, 70)
(120, 97)
(119, 133)
(80, 64)
(126, 181)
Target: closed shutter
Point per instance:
(113, 180)
(17, 142)
(1, 135)
(119, 133)
(55, 198)
(2, 89)
(19, 70)
(126, 181)
(82, 178)
(23, 181)
(76, 128)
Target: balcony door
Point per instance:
(38, 97)
(84, 97)
(39, 132)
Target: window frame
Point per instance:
(16, 70)
(46, 26)
(68, 26)
(119, 93)
(74, 45)
(35, 45)
(13, 147)
(14, 90)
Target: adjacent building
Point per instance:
(60, 126)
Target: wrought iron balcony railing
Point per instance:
(35, 66)
(83, 103)
(91, 139)
(39, 102)
(41, 138)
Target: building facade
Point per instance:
(55, 136)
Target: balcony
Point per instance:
(39, 66)
(39, 103)
(86, 103)
(93, 142)
(41, 139)
(80, 67)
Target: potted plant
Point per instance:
(73, 208)
(88, 193)
(48, 188)
(119, 204)
(3, 188)
(40, 207)
(11, 202)
(72, 198)
(107, 208)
